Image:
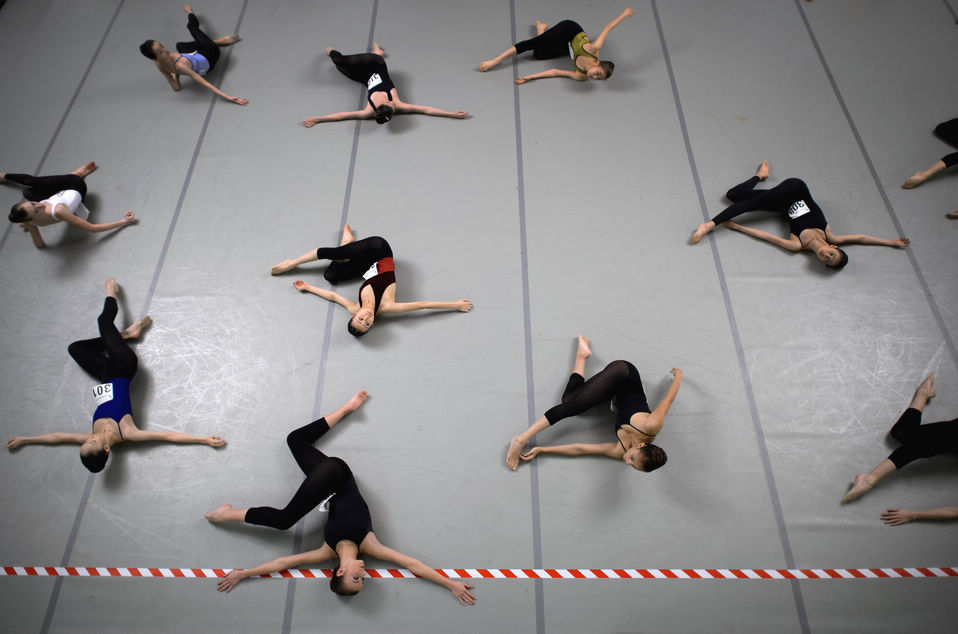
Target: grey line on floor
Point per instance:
(736, 336)
(66, 112)
(527, 335)
(926, 291)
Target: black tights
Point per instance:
(324, 477)
(359, 256)
(360, 66)
(552, 43)
(777, 199)
(202, 43)
(619, 379)
(107, 357)
(922, 441)
(948, 132)
(42, 187)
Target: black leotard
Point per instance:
(619, 380)
(383, 279)
(366, 68)
(790, 197)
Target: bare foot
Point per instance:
(701, 232)
(358, 399)
(861, 486)
(541, 27)
(583, 351)
(112, 287)
(87, 169)
(952, 214)
(3, 177)
(377, 49)
(926, 390)
(188, 8)
(329, 49)
(347, 235)
(282, 267)
(134, 330)
(227, 40)
(220, 514)
(917, 179)
(515, 451)
(763, 170)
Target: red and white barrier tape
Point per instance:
(500, 573)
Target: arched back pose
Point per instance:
(110, 360)
(947, 132)
(372, 259)
(809, 229)
(194, 59)
(917, 440)
(636, 426)
(565, 38)
(348, 531)
(382, 99)
(55, 198)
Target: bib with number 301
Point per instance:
(103, 393)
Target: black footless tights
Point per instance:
(107, 357)
(202, 43)
(360, 66)
(948, 132)
(359, 256)
(777, 199)
(922, 441)
(554, 41)
(618, 379)
(324, 477)
(42, 187)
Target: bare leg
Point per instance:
(520, 441)
(84, 171)
(864, 482)
(763, 170)
(495, 61)
(112, 288)
(920, 177)
(289, 265)
(349, 406)
(582, 353)
(377, 50)
(134, 330)
(347, 235)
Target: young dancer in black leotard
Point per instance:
(636, 426)
(348, 530)
(809, 229)
(109, 360)
(565, 38)
(52, 199)
(382, 99)
(194, 59)
(372, 259)
(947, 132)
(917, 440)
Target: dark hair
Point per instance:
(147, 49)
(607, 66)
(353, 330)
(94, 461)
(842, 260)
(653, 457)
(337, 584)
(384, 113)
(17, 213)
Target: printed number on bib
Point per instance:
(373, 81)
(798, 209)
(103, 393)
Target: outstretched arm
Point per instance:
(610, 449)
(55, 438)
(861, 238)
(213, 89)
(411, 108)
(897, 517)
(791, 243)
(292, 561)
(328, 295)
(373, 548)
(77, 221)
(463, 305)
(653, 424)
(600, 41)
(554, 72)
(138, 435)
(365, 113)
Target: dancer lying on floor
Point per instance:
(809, 229)
(51, 199)
(349, 530)
(947, 132)
(382, 99)
(917, 440)
(194, 59)
(565, 38)
(110, 361)
(636, 426)
(372, 259)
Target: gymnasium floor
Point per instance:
(557, 208)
